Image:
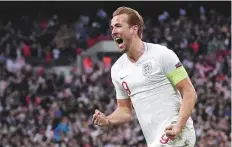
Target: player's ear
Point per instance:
(135, 29)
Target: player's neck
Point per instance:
(136, 50)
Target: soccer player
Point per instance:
(150, 78)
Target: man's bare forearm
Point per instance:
(120, 116)
(187, 106)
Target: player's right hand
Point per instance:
(100, 119)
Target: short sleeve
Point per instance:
(120, 92)
(172, 67)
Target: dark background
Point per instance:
(72, 9)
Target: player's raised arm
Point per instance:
(179, 78)
(123, 112)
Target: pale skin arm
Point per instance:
(121, 115)
(189, 96)
(189, 99)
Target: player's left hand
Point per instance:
(172, 131)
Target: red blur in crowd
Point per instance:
(44, 24)
(26, 50)
(195, 46)
(88, 62)
(48, 56)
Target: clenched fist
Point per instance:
(100, 119)
(172, 131)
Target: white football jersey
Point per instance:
(154, 98)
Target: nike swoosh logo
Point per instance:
(123, 77)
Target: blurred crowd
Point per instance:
(41, 107)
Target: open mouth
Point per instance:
(119, 40)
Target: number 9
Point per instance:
(125, 86)
(164, 139)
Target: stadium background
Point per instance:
(50, 85)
